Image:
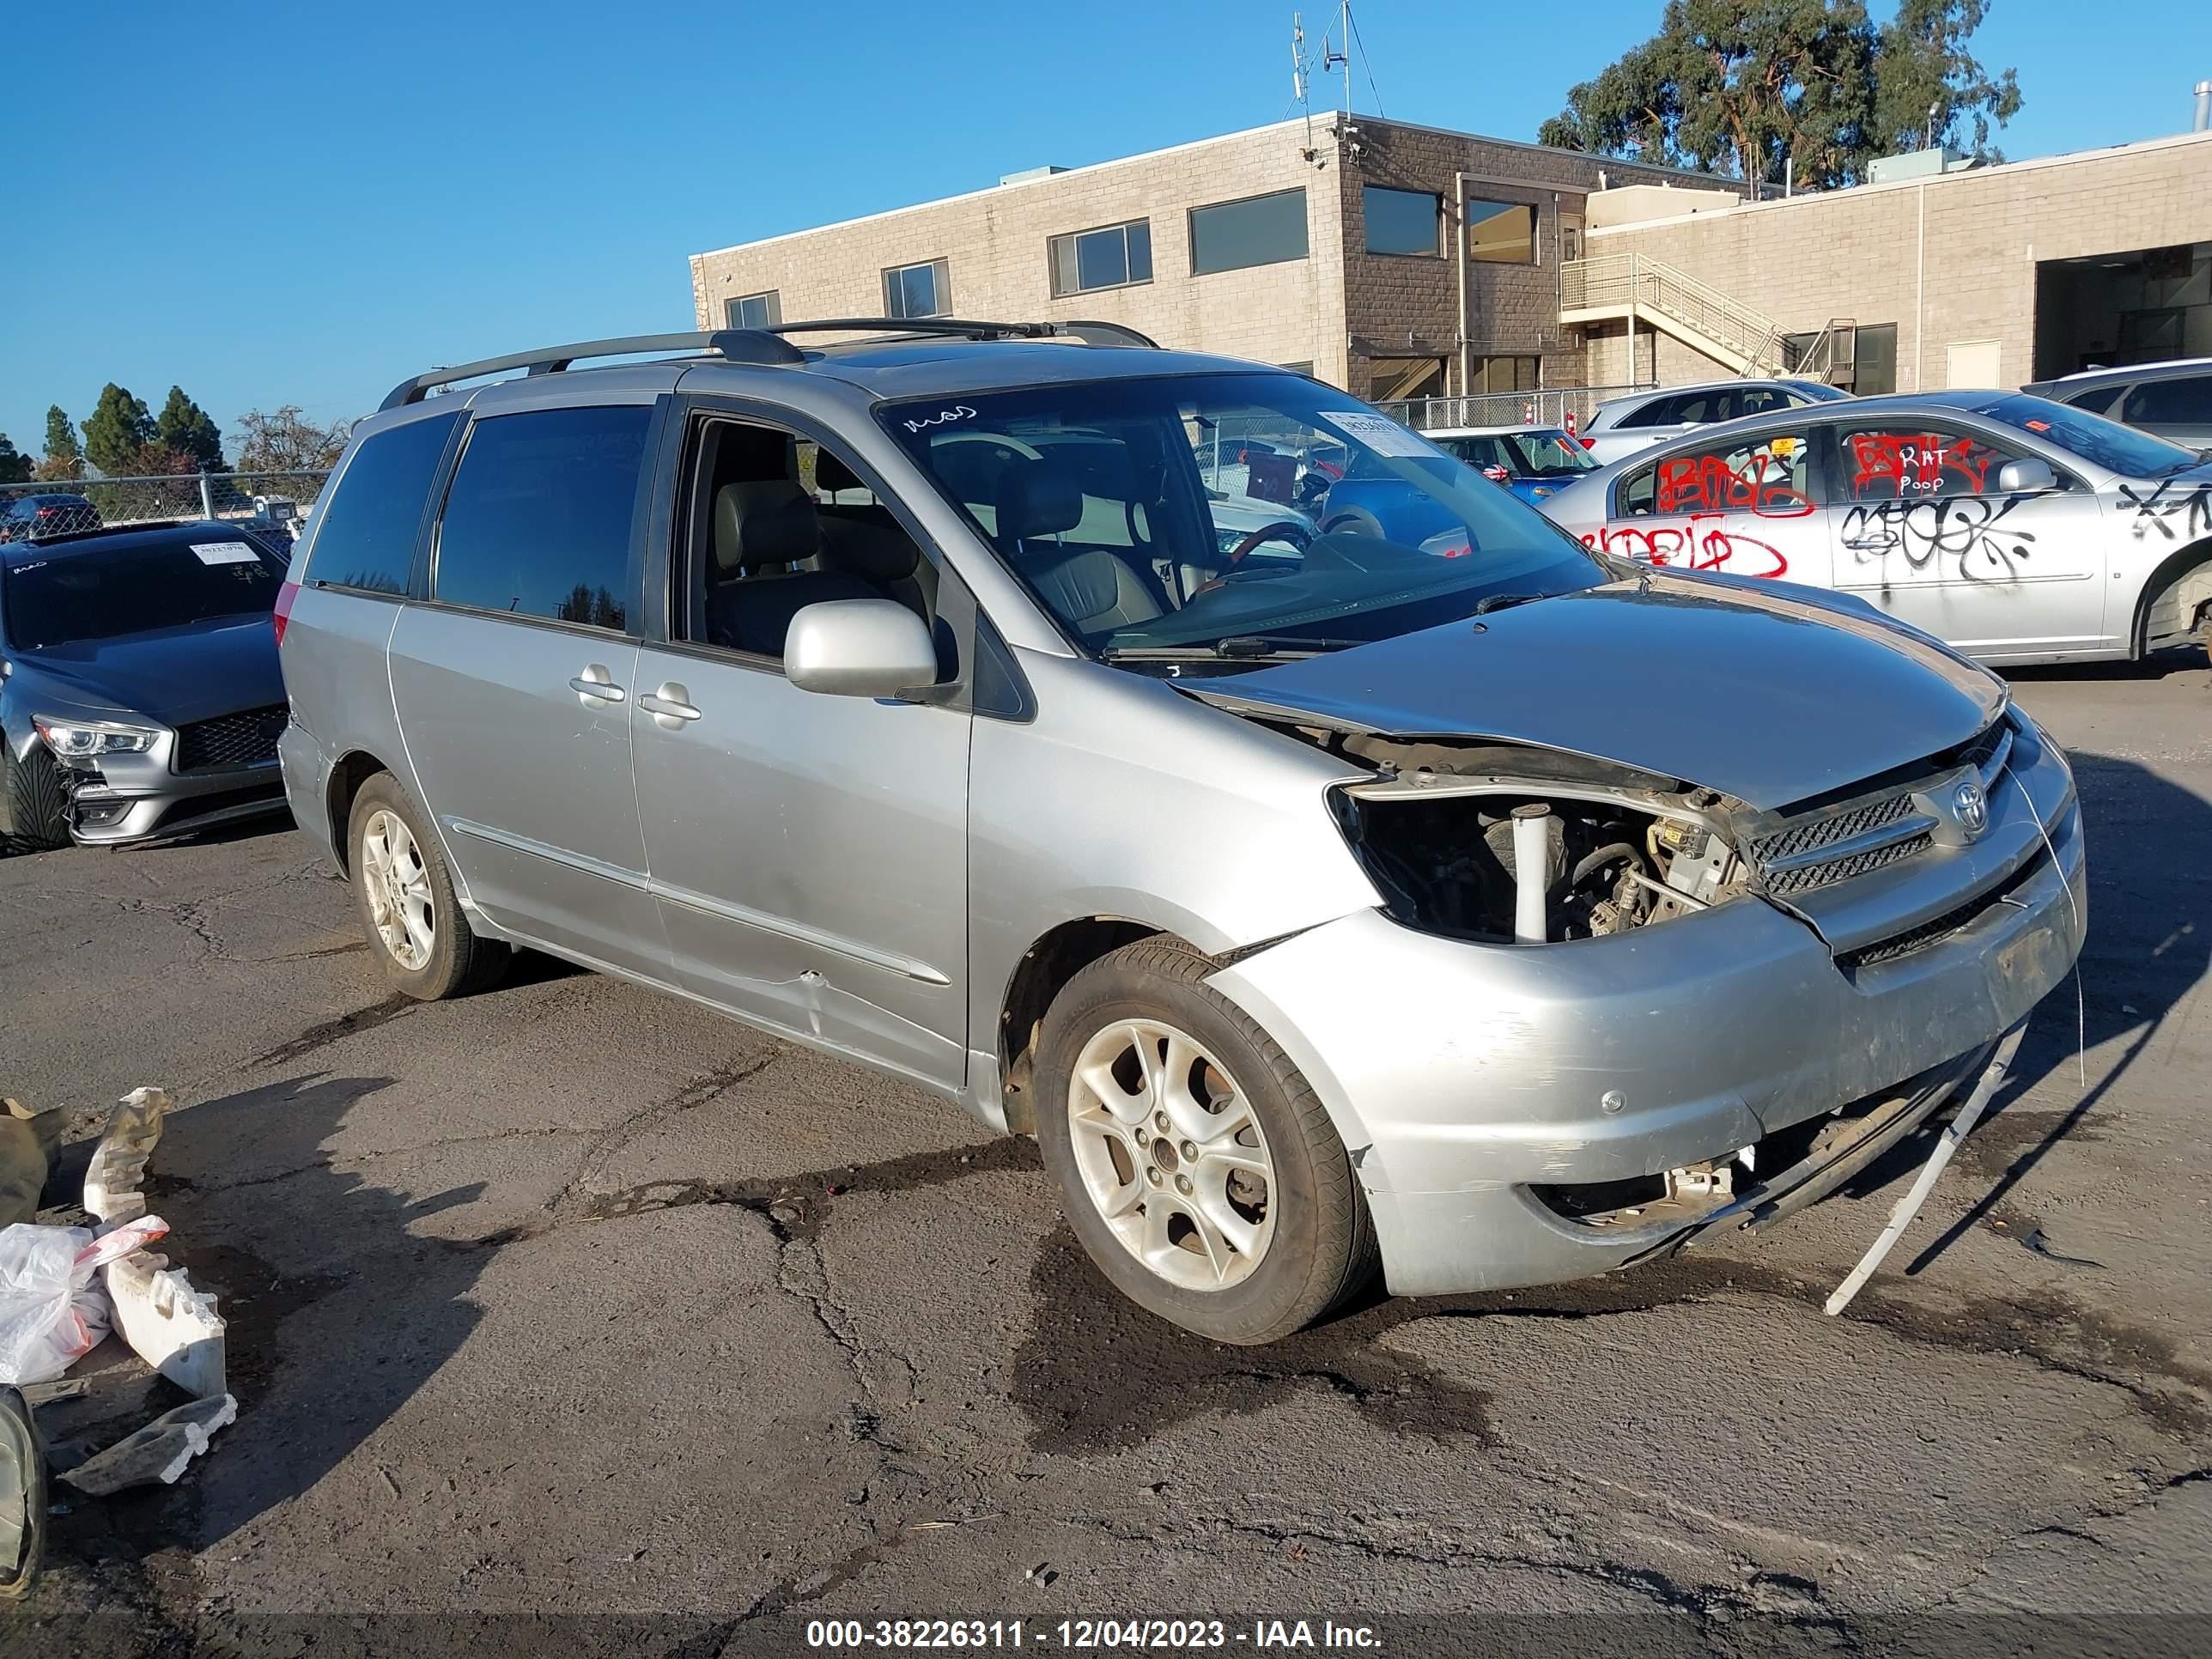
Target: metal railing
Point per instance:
(1549, 407)
(1831, 353)
(64, 505)
(1620, 281)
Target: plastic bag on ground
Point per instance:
(52, 1308)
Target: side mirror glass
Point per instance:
(2023, 478)
(859, 648)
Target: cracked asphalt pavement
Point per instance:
(575, 1305)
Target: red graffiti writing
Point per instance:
(1701, 544)
(1900, 463)
(1706, 484)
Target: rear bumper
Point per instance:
(307, 774)
(1462, 1076)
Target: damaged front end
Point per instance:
(1501, 843)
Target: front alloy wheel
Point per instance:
(1171, 1154)
(398, 888)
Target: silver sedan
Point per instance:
(2017, 530)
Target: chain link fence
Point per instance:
(1549, 407)
(30, 512)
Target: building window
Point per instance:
(1402, 221)
(924, 290)
(754, 310)
(1492, 374)
(1260, 230)
(1114, 257)
(1501, 233)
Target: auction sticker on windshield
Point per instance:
(225, 553)
(1379, 433)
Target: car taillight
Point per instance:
(282, 614)
(46, 513)
(1590, 443)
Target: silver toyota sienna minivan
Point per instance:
(984, 703)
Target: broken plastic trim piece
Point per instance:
(156, 1454)
(172, 1326)
(114, 1181)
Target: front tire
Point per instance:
(415, 924)
(37, 801)
(1195, 1164)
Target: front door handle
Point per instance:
(670, 706)
(595, 685)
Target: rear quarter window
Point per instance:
(366, 540)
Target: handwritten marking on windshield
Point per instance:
(958, 412)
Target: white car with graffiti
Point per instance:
(2017, 530)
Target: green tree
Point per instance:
(184, 427)
(1927, 78)
(1746, 87)
(118, 427)
(64, 452)
(14, 466)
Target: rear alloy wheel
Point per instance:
(1196, 1166)
(408, 908)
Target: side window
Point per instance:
(538, 520)
(1660, 411)
(366, 539)
(1700, 408)
(2099, 400)
(1770, 474)
(1916, 463)
(1756, 400)
(2185, 400)
(1633, 495)
(775, 522)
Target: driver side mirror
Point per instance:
(859, 648)
(2025, 477)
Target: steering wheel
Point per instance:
(1268, 532)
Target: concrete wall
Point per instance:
(1949, 260)
(995, 244)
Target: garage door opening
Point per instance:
(2112, 309)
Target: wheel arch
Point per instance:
(1056, 957)
(2183, 565)
(353, 769)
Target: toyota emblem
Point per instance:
(1972, 808)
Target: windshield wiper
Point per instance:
(1236, 647)
(1490, 602)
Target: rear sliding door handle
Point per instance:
(595, 685)
(670, 706)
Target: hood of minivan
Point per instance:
(1758, 691)
(175, 676)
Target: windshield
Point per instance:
(1172, 514)
(104, 594)
(2108, 443)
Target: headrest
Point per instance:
(1037, 498)
(833, 475)
(771, 522)
(873, 550)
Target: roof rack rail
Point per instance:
(1090, 333)
(735, 345)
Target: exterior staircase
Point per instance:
(1639, 288)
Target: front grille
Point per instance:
(1804, 878)
(1826, 832)
(1936, 929)
(239, 739)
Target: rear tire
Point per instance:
(1242, 1221)
(37, 803)
(415, 924)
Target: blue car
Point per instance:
(1532, 461)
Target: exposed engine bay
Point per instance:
(1447, 831)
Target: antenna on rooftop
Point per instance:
(1301, 84)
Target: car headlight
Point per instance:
(74, 740)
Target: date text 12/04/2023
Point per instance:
(1089, 1634)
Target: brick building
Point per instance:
(1400, 262)
(1319, 245)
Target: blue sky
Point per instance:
(304, 204)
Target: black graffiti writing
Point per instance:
(2179, 512)
(1969, 529)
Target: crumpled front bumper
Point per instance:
(1461, 1075)
(138, 797)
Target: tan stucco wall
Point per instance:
(1948, 260)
